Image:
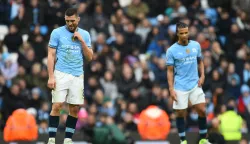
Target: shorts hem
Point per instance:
(182, 108)
(74, 103)
(58, 101)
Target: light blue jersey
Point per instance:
(69, 53)
(184, 60)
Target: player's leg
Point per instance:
(180, 108)
(58, 97)
(74, 99)
(197, 98)
(55, 114)
(71, 122)
(180, 123)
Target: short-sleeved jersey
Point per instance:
(184, 60)
(69, 53)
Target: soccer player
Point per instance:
(184, 59)
(68, 47)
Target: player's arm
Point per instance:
(51, 61)
(86, 46)
(170, 76)
(200, 67)
(53, 43)
(88, 52)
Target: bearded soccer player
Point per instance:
(68, 47)
(185, 72)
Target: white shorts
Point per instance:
(195, 96)
(69, 88)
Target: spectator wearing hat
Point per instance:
(35, 100)
(9, 67)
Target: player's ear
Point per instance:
(78, 18)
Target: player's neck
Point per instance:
(183, 43)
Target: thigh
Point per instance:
(61, 90)
(182, 100)
(76, 91)
(197, 96)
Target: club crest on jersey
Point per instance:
(194, 50)
(187, 51)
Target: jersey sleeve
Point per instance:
(169, 58)
(54, 39)
(199, 54)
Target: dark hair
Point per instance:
(179, 25)
(71, 11)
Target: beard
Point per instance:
(185, 41)
(72, 28)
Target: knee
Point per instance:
(202, 112)
(56, 107)
(181, 113)
(74, 109)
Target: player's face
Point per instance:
(183, 34)
(72, 22)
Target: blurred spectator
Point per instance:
(82, 119)
(100, 20)
(20, 119)
(224, 23)
(241, 5)
(43, 127)
(229, 131)
(109, 85)
(24, 91)
(132, 40)
(216, 51)
(12, 101)
(108, 133)
(157, 46)
(234, 41)
(35, 100)
(246, 72)
(161, 73)
(37, 42)
(143, 29)
(13, 39)
(243, 141)
(137, 10)
(127, 81)
(34, 13)
(153, 124)
(244, 103)
(43, 112)
(19, 21)
(28, 60)
(214, 135)
(55, 14)
(9, 66)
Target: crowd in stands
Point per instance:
(128, 71)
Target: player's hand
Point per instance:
(77, 36)
(201, 81)
(51, 83)
(173, 95)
